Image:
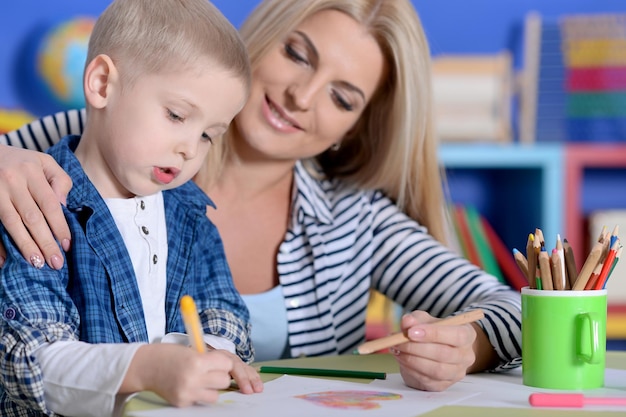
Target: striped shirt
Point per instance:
(343, 241)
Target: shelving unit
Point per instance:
(547, 185)
(516, 187)
(595, 175)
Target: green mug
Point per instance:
(563, 338)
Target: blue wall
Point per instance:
(453, 26)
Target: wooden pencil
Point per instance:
(399, 338)
(587, 269)
(532, 261)
(558, 281)
(561, 254)
(606, 267)
(545, 271)
(570, 264)
(594, 277)
(521, 262)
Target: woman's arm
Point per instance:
(31, 187)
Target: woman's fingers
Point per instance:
(32, 186)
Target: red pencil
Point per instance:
(606, 267)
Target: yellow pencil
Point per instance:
(192, 323)
(398, 338)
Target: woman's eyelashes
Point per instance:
(295, 56)
(300, 58)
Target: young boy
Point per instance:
(164, 78)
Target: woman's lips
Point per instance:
(165, 175)
(277, 118)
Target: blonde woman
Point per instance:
(327, 185)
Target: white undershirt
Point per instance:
(88, 387)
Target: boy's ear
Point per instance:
(101, 77)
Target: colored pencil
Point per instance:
(588, 267)
(532, 261)
(338, 373)
(398, 338)
(570, 264)
(545, 271)
(557, 271)
(192, 323)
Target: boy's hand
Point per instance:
(247, 378)
(178, 374)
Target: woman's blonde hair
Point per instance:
(150, 36)
(393, 145)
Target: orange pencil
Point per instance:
(594, 277)
(192, 322)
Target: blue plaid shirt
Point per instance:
(95, 297)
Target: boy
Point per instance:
(163, 79)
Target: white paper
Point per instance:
(280, 398)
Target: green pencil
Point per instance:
(339, 373)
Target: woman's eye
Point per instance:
(206, 137)
(294, 55)
(342, 102)
(174, 117)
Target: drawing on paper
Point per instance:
(359, 400)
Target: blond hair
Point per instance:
(393, 145)
(157, 35)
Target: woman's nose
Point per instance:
(303, 93)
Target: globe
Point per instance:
(49, 67)
(61, 59)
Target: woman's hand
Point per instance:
(437, 356)
(31, 187)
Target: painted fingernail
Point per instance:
(37, 261)
(56, 261)
(65, 244)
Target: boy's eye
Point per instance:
(174, 117)
(206, 137)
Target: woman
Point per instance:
(327, 185)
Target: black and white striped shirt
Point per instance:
(341, 242)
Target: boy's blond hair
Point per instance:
(150, 36)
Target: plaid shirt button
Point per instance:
(9, 313)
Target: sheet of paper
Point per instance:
(313, 397)
(505, 390)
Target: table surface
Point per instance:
(386, 363)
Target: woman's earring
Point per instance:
(335, 146)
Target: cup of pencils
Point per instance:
(564, 313)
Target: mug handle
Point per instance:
(588, 322)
